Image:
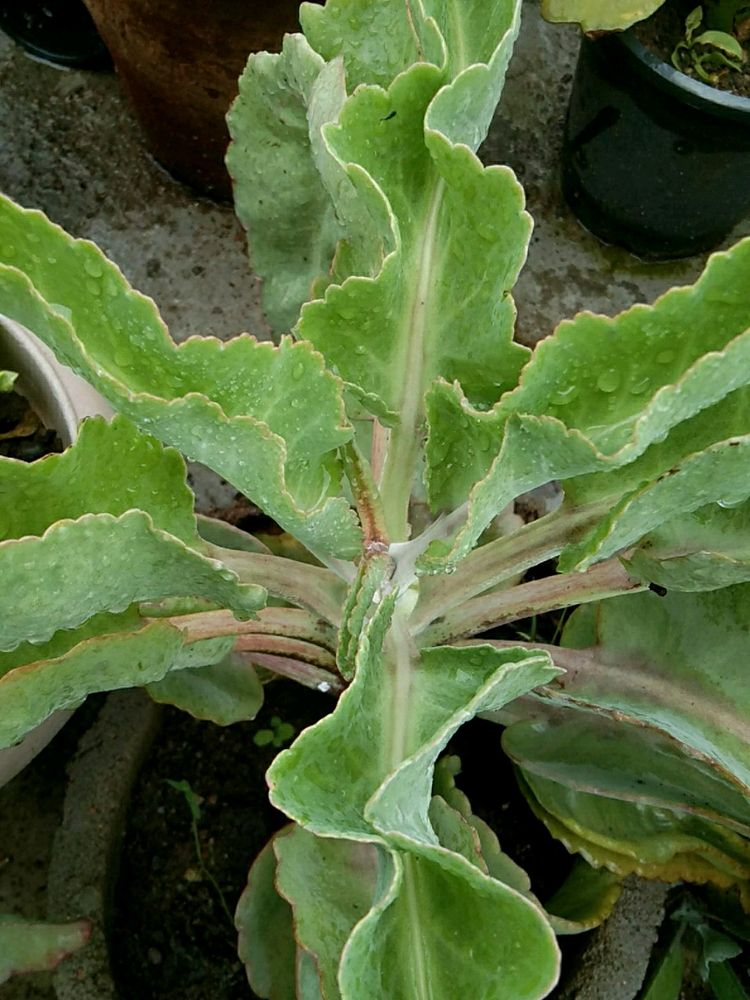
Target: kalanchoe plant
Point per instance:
(390, 435)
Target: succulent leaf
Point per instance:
(243, 408)
(30, 946)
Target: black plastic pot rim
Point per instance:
(719, 103)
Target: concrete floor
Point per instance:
(69, 145)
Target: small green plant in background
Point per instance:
(193, 802)
(708, 54)
(278, 735)
(700, 944)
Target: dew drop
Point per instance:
(9, 250)
(664, 357)
(729, 504)
(608, 381)
(639, 385)
(61, 310)
(298, 371)
(92, 287)
(93, 267)
(564, 396)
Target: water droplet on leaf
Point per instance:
(608, 381)
(93, 267)
(639, 385)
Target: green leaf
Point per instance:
(355, 29)
(266, 942)
(29, 946)
(6, 381)
(721, 40)
(629, 838)
(720, 473)
(665, 983)
(105, 563)
(676, 663)
(604, 405)
(705, 550)
(223, 693)
(29, 693)
(192, 800)
(603, 754)
(243, 408)
(725, 983)
(500, 941)
(330, 885)
(407, 155)
(111, 468)
(440, 196)
(278, 194)
(653, 775)
(600, 15)
(372, 573)
(584, 900)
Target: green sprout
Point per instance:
(278, 735)
(710, 53)
(193, 802)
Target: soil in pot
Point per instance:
(22, 433)
(172, 937)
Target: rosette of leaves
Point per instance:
(387, 432)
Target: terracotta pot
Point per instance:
(62, 400)
(179, 63)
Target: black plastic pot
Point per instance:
(653, 161)
(58, 31)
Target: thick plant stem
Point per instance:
(608, 579)
(290, 622)
(586, 667)
(366, 497)
(400, 661)
(303, 673)
(501, 560)
(276, 645)
(403, 449)
(311, 587)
